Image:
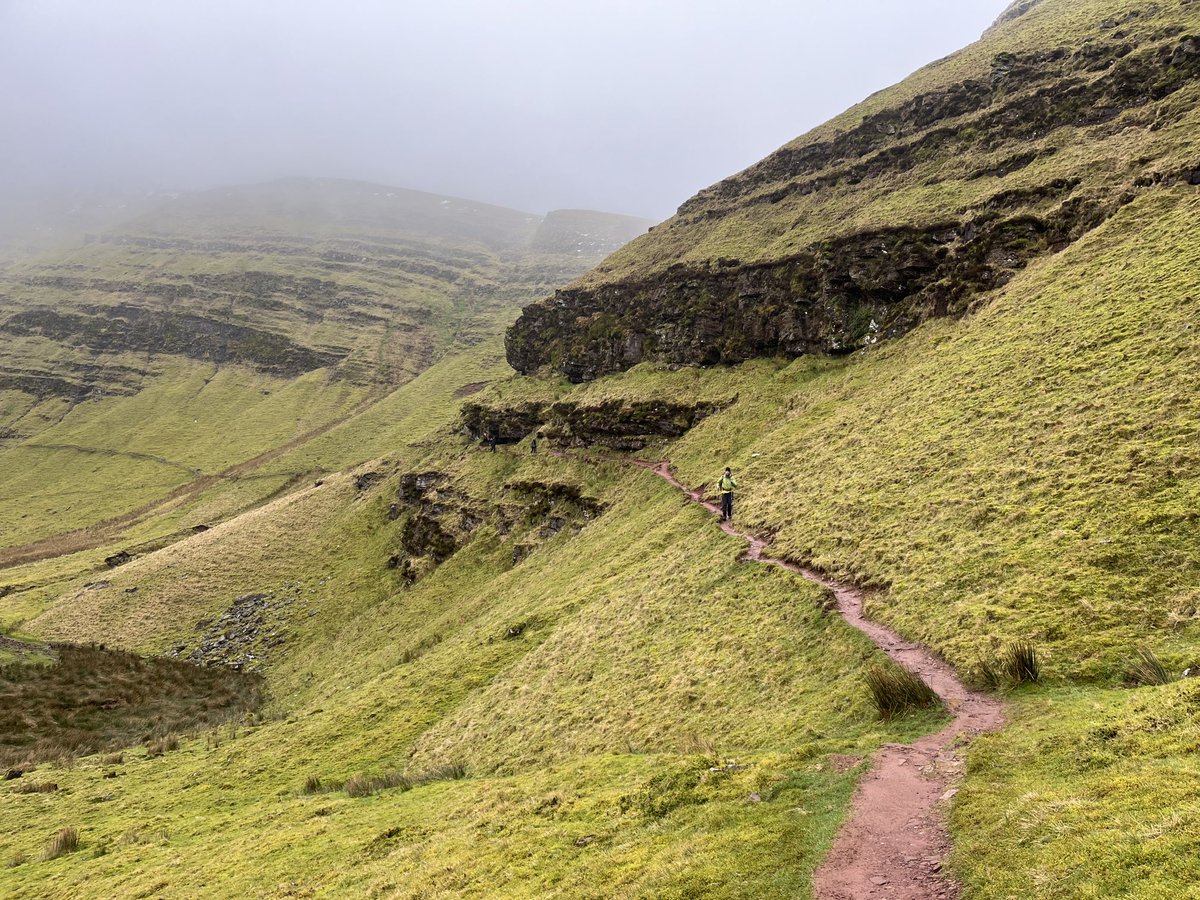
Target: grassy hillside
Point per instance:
(531, 675)
(610, 737)
(913, 205)
(195, 343)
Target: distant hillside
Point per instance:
(225, 324)
(586, 233)
(914, 204)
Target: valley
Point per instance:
(421, 490)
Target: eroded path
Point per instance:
(894, 843)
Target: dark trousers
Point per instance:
(727, 506)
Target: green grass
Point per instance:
(1086, 794)
(1029, 473)
(619, 718)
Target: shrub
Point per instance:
(66, 841)
(1146, 669)
(896, 691)
(1021, 663)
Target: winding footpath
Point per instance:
(894, 843)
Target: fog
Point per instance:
(623, 105)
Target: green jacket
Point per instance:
(726, 484)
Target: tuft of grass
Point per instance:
(35, 787)
(312, 785)
(66, 841)
(362, 785)
(1146, 669)
(166, 744)
(359, 786)
(896, 691)
(1021, 664)
(987, 673)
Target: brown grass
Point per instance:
(94, 699)
(66, 841)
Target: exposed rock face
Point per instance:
(834, 298)
(623, 426)
(855, 287)
(139, 329)
(617, 424)
(440, 518)
(509, 425)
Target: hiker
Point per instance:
(533, 446)
(492, 441)
(726, 486)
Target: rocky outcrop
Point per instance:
(126, 328)
(440, 518)
(624, 425)
(857, 287)
(836, 297)
(508, 425)
(617, 424)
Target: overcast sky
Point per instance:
(623, 105)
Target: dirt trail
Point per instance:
(893, 845)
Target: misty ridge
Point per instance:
(116, 107)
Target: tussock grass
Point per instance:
(34, 787)
(94, 699)
(165, 744)
(987, 673)
(1020, 663)
(365, 785)
(66, 841)
(1146, 669)
(896, 691)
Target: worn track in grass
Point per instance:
(894, 843)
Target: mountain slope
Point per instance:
(915, 204)
(232, 323)
(553, 677)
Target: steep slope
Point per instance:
(915, 204)
(230, 324)
(525, 675)
(508, 629)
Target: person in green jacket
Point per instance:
(725, 486)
